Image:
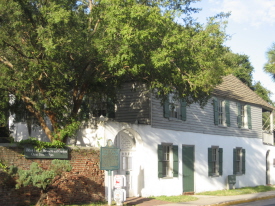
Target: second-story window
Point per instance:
(221, 112)
(244, 116)
(174, 108)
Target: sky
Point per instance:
(252, 27)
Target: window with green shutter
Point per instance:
(215, 161)
(173, 108)
(249, 122)
(168, 160)
(216, 111)
(238, 161)
(227, 113)
(221, 112)
(244, 116)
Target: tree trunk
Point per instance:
(38, 115)
(43, 196)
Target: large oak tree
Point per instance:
(53, 53)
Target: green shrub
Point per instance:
(39, 177)
(39, 145)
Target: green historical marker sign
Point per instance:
(109, 157)
(47, 153)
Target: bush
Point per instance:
(38, 177)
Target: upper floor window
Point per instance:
(244, 116)
(174, 108)
(221, 112)
(239, 160)
(215, 159)
(167, 160)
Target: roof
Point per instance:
(233, 88)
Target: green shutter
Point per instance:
(234, 161)
(210, 163)
(110, 113)
(183, 109)
(248, 109)
(175, 161)
(243, 161)
(216, 112)
(227, 113)
(239, 118)
(220, 160)
(160, 162)
(166, 108)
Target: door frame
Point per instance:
(193, 175)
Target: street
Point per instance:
(268, 202)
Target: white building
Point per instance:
(173, 149)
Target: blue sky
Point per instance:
(252, 27)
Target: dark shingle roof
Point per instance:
(233, 88)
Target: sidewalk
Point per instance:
(205, 200)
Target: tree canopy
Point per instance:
(270, 65)
(239, 65)
(54, 53)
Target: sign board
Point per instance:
(109, 158)
(231, 179)
(47, 153)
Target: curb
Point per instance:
(233, 202)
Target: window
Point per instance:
(239, 160)
(174, 108)
(221, 112)
(215, 157)
(244, 116)
(126, 160)
(167, 160)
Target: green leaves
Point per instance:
(54, 53)
(39, 177)
(270, 65)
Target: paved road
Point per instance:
(268, 202)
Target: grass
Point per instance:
(180, 198)
(239, 191)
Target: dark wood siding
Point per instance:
(200, 120)
(133, 104)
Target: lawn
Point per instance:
(180, 198)
(239, 191)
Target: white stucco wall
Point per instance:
(145, 168)
(146, 159)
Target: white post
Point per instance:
(109, 187)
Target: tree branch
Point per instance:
(6, 62)
(17, 50)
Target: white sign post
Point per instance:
(109, 161)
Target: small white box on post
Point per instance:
(119, 193)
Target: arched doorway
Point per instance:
(267, 168)
(126, 141)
